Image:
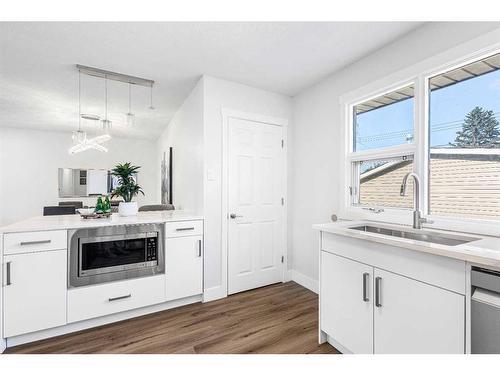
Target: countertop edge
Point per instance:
(467, 252)
(48, 223)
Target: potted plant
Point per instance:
(127, 188)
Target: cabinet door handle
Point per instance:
(183, 229)
(24, 243)
(118, 298)
(366, 275)
(8, 273)
(199, 248)
(378, 291)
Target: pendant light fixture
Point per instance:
(79, 137)
(130, 115)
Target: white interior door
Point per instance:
(256, 185)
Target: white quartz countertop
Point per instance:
(483, 251)
(41, 223)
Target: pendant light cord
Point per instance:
(151, 98)
(106, 96)
(79, 100)
(129, 98)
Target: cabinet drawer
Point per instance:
(99, 300)
(32, 242)
(184, 228)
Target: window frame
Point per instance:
(409, 149)
(418, 75)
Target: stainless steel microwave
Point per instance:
(111, 253)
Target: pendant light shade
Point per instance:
(79, 137)
(105, 133)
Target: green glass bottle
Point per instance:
(107, 205)
(99, 207)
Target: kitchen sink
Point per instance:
(421, 235)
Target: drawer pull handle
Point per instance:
(378, 291)
(8, 274)
(365, 287)
(199, 248)
(182, 229)
(35, 242)
(118, 298)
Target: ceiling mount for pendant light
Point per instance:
(130, 115)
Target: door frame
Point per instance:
(228, 114)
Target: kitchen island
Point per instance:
(65, 273)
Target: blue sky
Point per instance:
(393, 124)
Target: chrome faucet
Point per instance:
(418, 220)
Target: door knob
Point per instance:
(234, 216)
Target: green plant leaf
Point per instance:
(127, 188)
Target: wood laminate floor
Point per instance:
(280, 318)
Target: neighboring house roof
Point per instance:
(492, 154)
(463, 183)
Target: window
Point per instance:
(384, 121)
(464, 141)
(454, 145)
(379, 182)
(379, 126)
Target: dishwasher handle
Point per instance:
(486, 279)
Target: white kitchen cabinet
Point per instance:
(110, 298)
(184, 266)
(34, 291)
(3, 344)
(346, 302)
(414, 317)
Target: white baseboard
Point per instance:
(214, 293)
(305, 281)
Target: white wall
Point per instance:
(184, 134)
(29, 162)
(224, 94)
(317, 139)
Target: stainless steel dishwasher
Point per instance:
(485, 311)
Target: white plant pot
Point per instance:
(128, 208)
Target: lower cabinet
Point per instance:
(417, 318)
(34, 291)
(184, 266)
(368, 310)
(346, 302)
(110, 298)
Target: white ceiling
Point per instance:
(39, 81)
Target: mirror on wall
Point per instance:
(78, 182)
